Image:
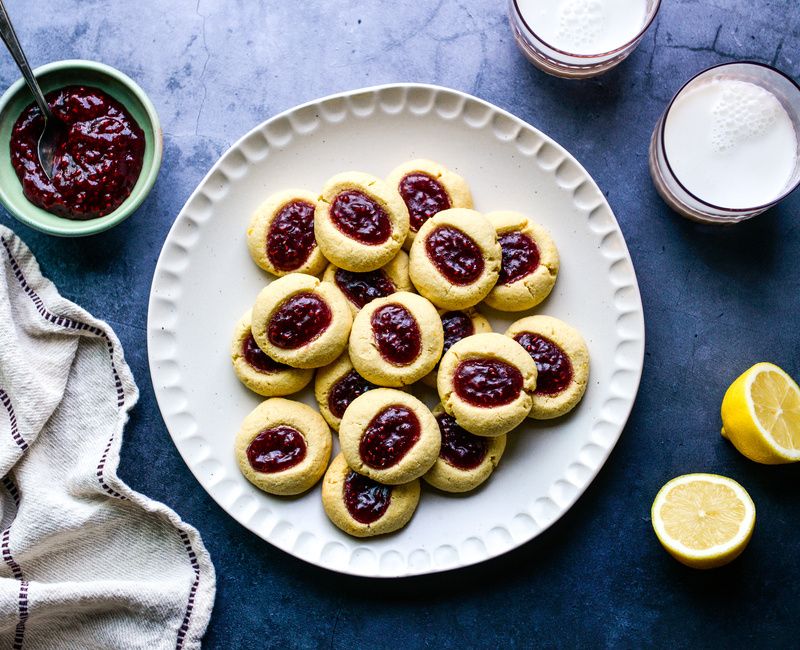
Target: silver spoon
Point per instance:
(53, 127)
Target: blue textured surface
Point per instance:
(716, 301)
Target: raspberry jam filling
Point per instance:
(487, 382)
(455, 255)
(520, 256)
(389, 436)
(96, 163)
(424, 196)
(276, 449)
(361, 288)
(460, 448)
(290, 238)
(299, 320)
(366, 500)
(345, 391)
(553, 364)
(457, 325)
(258, 359)
(396, 332)
(360, 218)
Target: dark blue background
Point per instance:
(716, 301)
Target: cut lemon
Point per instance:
(761, 415)
(703, 520)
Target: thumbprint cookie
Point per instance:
(530, 263)
(396, 340)
(465, 460)
(280, 236)
(362, 507)
(458, 325)
(485, 382)
(301, 322)
(562, 361)
(428, 188)
(360, 222)
(283, 447)
(455, 259)
(259, 372)
(336, 386)
(389, 436)
(361, 288)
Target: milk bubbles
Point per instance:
(742, 112)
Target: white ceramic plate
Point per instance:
(205, 280)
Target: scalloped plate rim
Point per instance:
(638, 338)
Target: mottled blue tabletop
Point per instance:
(715, 300)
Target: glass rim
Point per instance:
(615, 51)
(662, 128)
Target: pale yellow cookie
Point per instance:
(259, 372)
(360, 288)
(455, 259)
(389, 436)
(530, 263)
(427, 188)
(301, 321)
(562, 361)
(465, 460)
(280, 236)
(336, 386)
(283, 447)
(485, 382)
(396, 340)
(360, 222)
(458, 325)
(362, 507)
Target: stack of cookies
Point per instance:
(377, 293)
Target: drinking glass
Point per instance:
(669, 186)
(560, 63)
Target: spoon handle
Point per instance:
(12, 43)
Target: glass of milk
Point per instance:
(726, 148)
(579, 38)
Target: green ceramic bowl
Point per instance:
(116, 84)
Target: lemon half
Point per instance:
(703, 520)
(761, 415)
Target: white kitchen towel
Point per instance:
(86, 561)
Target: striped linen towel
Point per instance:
(86, 561)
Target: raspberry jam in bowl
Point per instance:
(104, 167)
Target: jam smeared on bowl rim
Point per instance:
(455, 254)
(344, 391)
(552, 363)
(424, 197)
(486, 382)
(460, 448)
(520, 256)
(299, 320)
(290, 239)
(276, 449)
(360, 217)
(362, 288)
(96, 164)
(389, 436)
(396, 332)
(366, 500)
(258, 359)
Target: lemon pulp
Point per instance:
(777, 406)
(702, 514)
